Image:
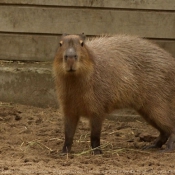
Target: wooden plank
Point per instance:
(128, 4)
(90, 21)
(169, 46)
(43, 48)
(28, 47)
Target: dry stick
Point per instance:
(139, 121)
(116, 151)
(5, 104)
(36, 142)
(112, 132)
(21, 145)
(125, 115)
(45, 146)
(55, 139)
(82, 137)
(84, 152)
(138, 150)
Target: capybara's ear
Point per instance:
(82, 36)
(61, 40)
(61, 43)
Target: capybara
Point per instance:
(96, 76)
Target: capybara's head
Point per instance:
(73, 55)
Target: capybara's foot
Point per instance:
(96, 151)
(163, 137)
(152, 146)
(63, 154)
(170, 146)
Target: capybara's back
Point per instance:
(97, 76)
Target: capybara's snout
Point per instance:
(70, 59)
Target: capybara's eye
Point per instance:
(61, 43)
(82, 43)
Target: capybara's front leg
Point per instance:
(70, 124)
(96, 126)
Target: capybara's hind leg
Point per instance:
(150, 117)
(161, 140)
(70, 124)
(96, 126)
(170, 146)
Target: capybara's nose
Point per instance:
(70, 53)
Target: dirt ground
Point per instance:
(31, 140)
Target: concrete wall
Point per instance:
(30, 31)
(27, 83)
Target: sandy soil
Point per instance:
(31, 140)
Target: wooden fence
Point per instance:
(30, 29)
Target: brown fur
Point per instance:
(114, 72)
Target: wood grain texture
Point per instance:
(43, 48)
(28, 47)
(90, 21)
(125, 4)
